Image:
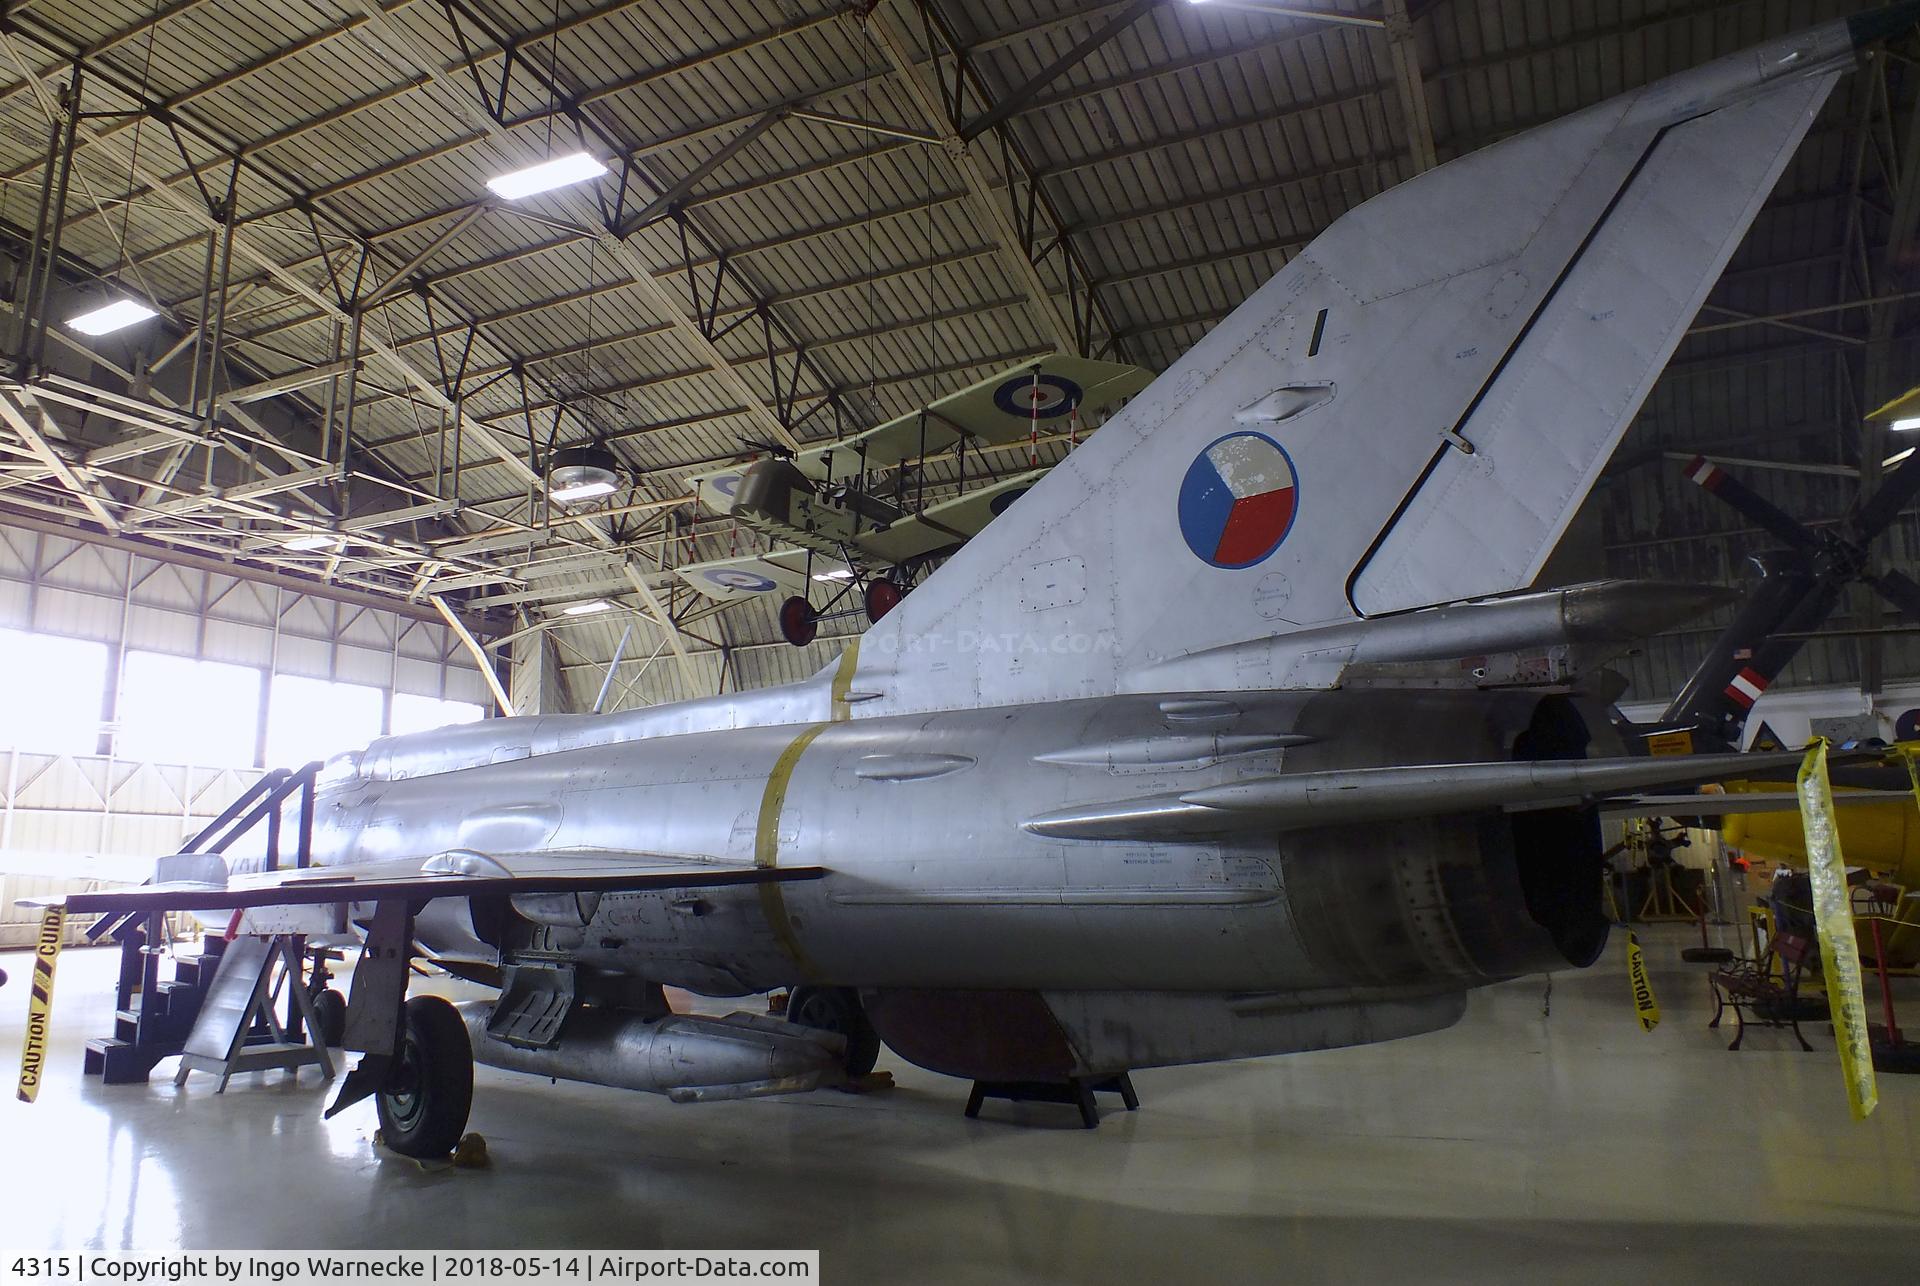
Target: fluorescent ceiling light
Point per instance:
(583, 491)
(311, 541)
(1905, 426)
(839, 574)
(587, 609)
(1892, 460)
(114, 316)
(546, 176)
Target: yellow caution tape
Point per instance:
(46, 953)
(1833, 914)
(1645, 1007)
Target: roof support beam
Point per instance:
(990, 213)
(617, 250)
(658, 611)
(1012, 102)
(294, 284)
(24, 414)
(1273, 10)
(292, 383)
(397, 279)
(1405, 55)
(670, 195)
(479, 654)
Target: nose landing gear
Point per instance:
(429, 1091)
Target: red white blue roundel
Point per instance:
(734, 578)
(1238, 500)
(1041, 398)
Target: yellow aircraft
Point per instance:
(1883, 837)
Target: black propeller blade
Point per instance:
(1704, 473)
(1901, 590)
(1899, 487)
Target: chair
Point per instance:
(1767, 988)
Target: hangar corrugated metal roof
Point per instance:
(1177, 166)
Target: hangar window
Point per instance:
(176, 710)
(313, 718)
(57, 706)
(419, 714)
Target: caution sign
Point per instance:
(1645, 1007)
(46, 952)
(1833, 914)
(1664, 744)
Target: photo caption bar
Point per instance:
(417, 1267)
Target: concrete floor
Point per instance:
(1510, 1147)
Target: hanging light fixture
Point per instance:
(118, 315)
(581, 473)
(311, 541)
(561, 171)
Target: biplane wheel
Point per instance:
(799, 623)
(330, 1017)
(423, 1111)
(838, 1010)
(883, 596)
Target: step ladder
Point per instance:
(154, 1017)
(237, 1030)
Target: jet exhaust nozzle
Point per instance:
(687, 1057)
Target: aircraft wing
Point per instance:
(948, 523)
(781, 572)
(1348, 795)
(1773, 801)
(715, 490)
(453, 874)
(1003, 407)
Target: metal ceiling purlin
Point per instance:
(30, 420)
(1405, 55)
(995, 216)
(198, 213)
(618, 249)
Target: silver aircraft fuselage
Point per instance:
(944, 878)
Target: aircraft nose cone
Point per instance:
(1865, 28)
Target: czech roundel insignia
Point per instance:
(1238, 500)
(1041, 397)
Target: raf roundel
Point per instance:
(1238, 500)
(1044, 397)
(733, 578)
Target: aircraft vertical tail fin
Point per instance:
(1407, 414)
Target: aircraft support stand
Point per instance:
(1076, 1091)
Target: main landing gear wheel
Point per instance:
(423, 1111)
(330, 1017)
(883, 596)
(799, 623)
(838, 1009)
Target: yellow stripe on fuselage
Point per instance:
(766, 838)
(843, 681)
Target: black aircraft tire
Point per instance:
(425, 1111)
(330, 1017)
(838, 1009)
(799, 623)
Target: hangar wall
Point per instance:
(104, 815)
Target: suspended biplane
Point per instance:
(861, 515)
